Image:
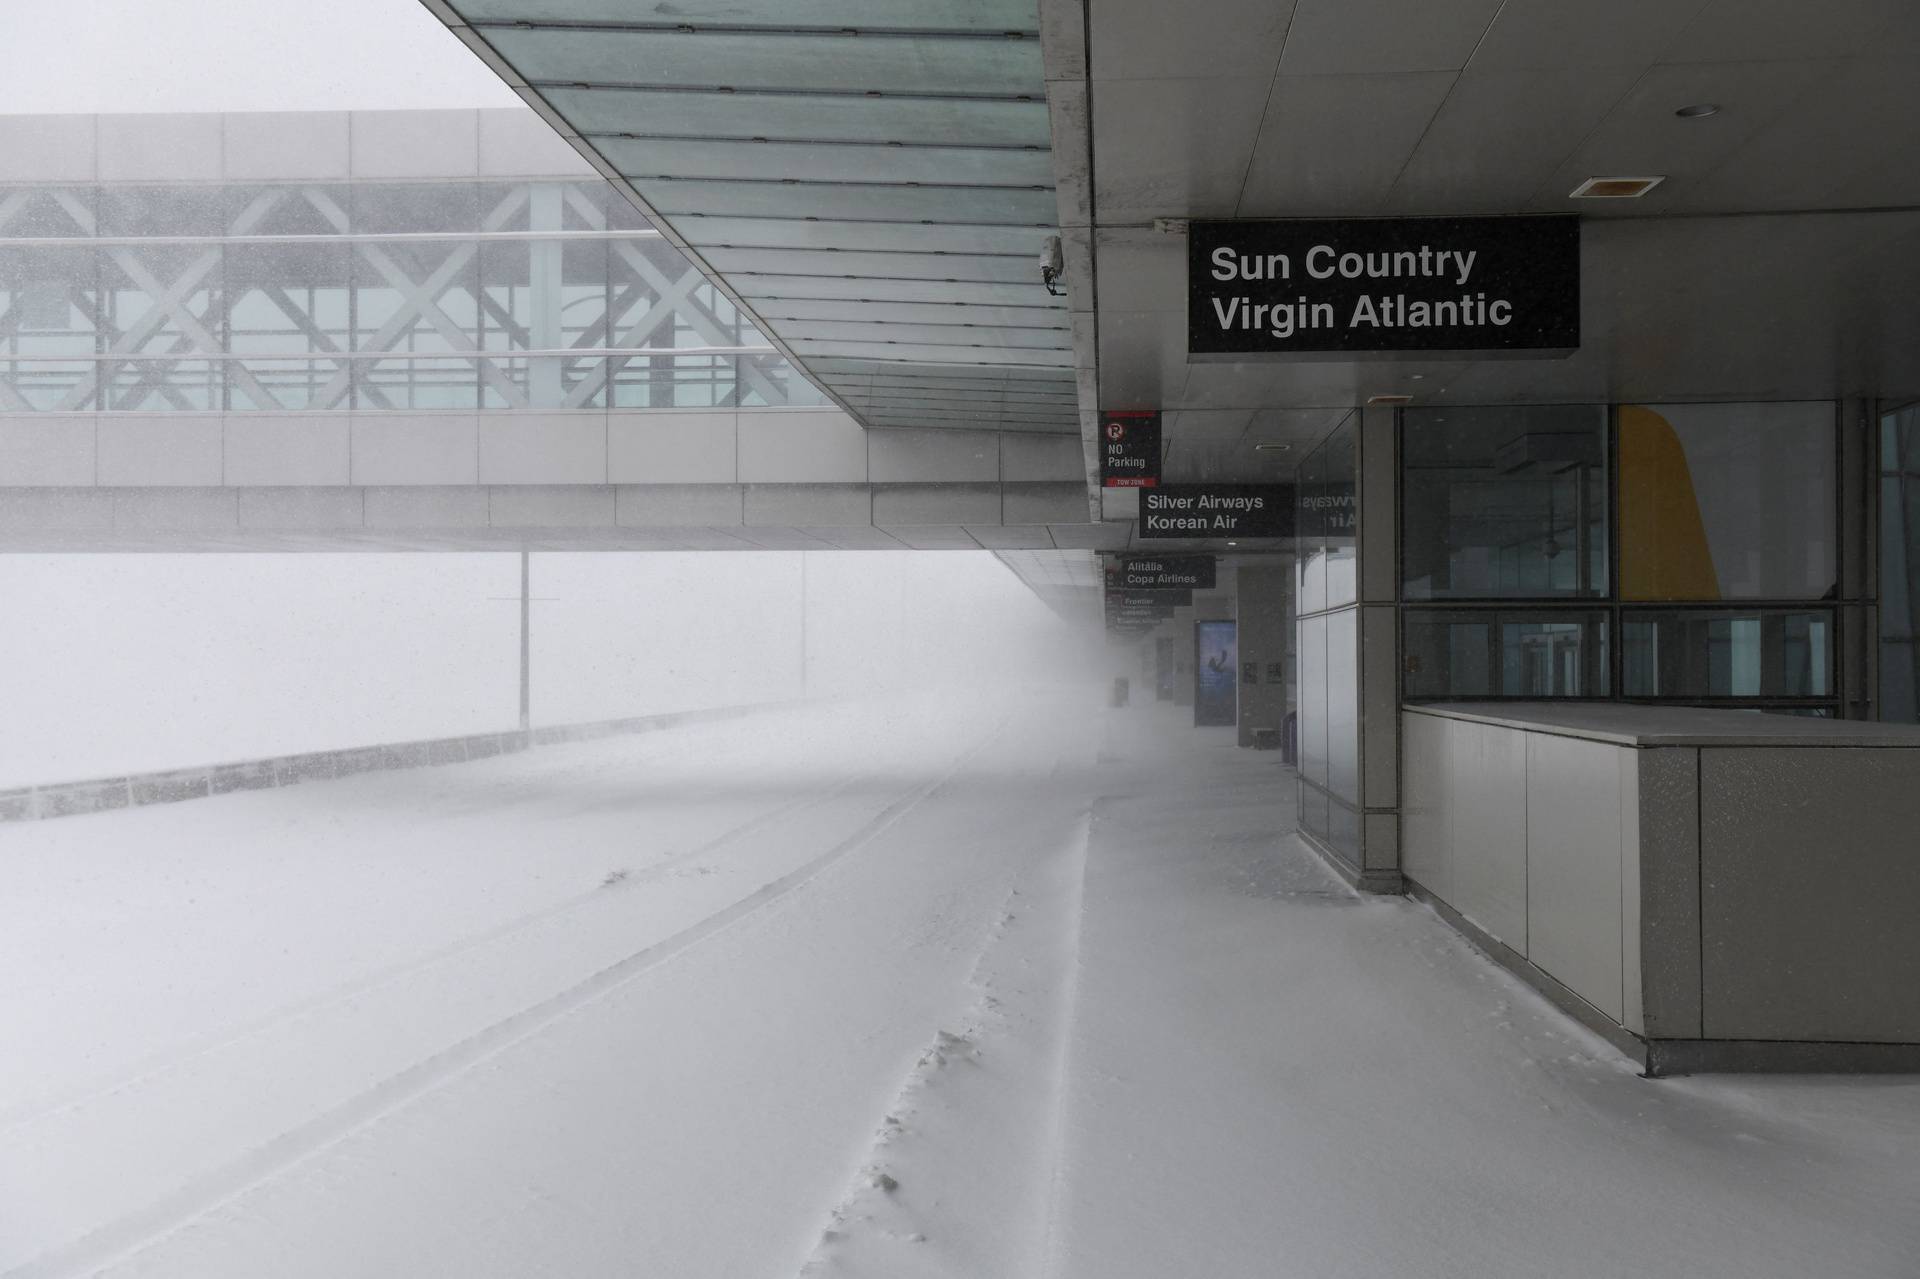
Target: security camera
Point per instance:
(1051, 264)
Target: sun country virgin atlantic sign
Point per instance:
(1333, 288)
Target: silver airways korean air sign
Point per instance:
(1329, 288)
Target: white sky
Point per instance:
(234, 55)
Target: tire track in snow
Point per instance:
(159, 1067)
(130, 1234)
(935, 1195)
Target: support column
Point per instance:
(1377, 506)
(526, 642)
(1263, 591)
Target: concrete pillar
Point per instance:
(1377, 502)
(1264, 591)
(1182, 631)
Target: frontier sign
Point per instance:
(1331, 288)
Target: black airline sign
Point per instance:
(1331, 288)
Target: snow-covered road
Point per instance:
(638, 1006)
(899, 990)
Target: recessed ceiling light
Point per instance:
(1271, 448)
(1233, 543)
(1698, 110)
(1373, 400)
(1614, 188)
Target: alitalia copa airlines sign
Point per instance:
(1356, 287)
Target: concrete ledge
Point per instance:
(1519, 965)
(1662, 1058)
(99, 795)
(1389, 883)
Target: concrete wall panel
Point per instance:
(425, 507)
(1426, 814)
(1807, 922)
(425, 449)
(932, 457)
(415, 144)
(56, 510)
(786, 447)
(303, 450)
(543, 448)
(54, 451)
(48, 148)
(297, 508)
(160, 148)
(1049, 504)
(1043, 457)
(1574, 878)
(1488, 803)
(550, 506)
(805, 505)
(279, 146)
(680, 505)
(201, 509)
(1668, 900)
(161, 449)
(518, 144)
(671, 448)
(936, 504)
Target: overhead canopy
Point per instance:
(870, 180)
(1778, 258)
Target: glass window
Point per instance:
(1727, 502)
(286, 304)
(1900, 564)
(1717, 653)
(46, 211)
(163, 306)
(1503, 503)
(1310, 561)
(1465, 653)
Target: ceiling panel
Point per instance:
(1641, 135)
(1540, 35)
(835, 117)
(957, 268)
(798, 233)
(1351, 37)
(1770, 170)
(912, 15)
(752, 286)
(1136, 40)
(1772, 30)
(1335, 144)
(831, 161)
(1173, 148)
(1021, 317)
(1481, 155)
(956, 334)
(801, 197)
(783, 58)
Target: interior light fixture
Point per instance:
(1375, 400)
(1614, 188)
(1271, 448)
(1698, 110)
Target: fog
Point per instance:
(271, 55)
(124, 663)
